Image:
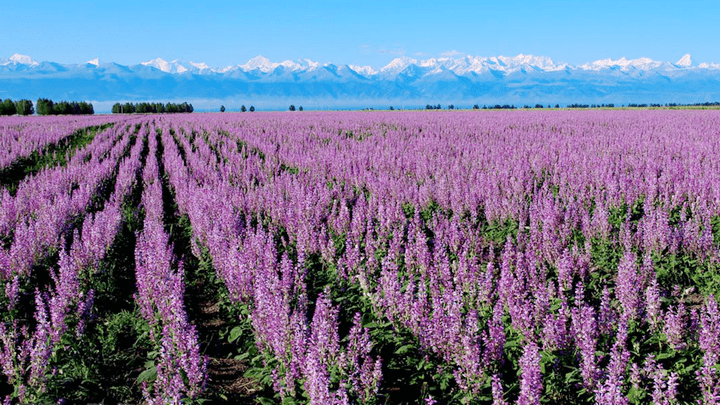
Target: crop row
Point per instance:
(61, 216)
(523, 264)
(180, 370)
(20, 137)
(508, 257)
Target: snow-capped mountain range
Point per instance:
(460, 80)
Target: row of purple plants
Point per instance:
(395, 257)
(179, 368)
(533, 256)
(44, 206)
(60, 308)
(21, 136)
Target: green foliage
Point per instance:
(48, 107)
(98, 366)
(7, 107)
(44, 106)
(151, 108)
(22, 107)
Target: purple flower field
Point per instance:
(473, 257)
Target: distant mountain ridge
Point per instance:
(404, 81)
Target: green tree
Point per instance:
(24, 107)
(222, 108)
(62, 108)
(292, 107)
(242, 108)
(44, 106)
(252, 109)
(300, 109)
(9, 107)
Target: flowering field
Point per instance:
(362, 257)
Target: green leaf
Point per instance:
(665, 355)
(424, 365)
(235, 333)
(265, 401)
(148, 375)
(635, 393)
(289, 401)
(404, 349)
(257, 373)
(267, 380)
(572, 375)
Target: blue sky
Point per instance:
(222, 33)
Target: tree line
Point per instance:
(19, 107)
(152, 108)
(48, 107)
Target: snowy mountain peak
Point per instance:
(398, 64)
(363, 70)
(200, 66)
(605, 64)
(19, 59)
(288, 64)
(713, 66)
(455, 78)
(432, 62)
(624, 64)
(260, 63)
(459, 65)
(685, 61)
(158, 63)
(529, 60)
(174, 66)
(265, 65)
(311, 65)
